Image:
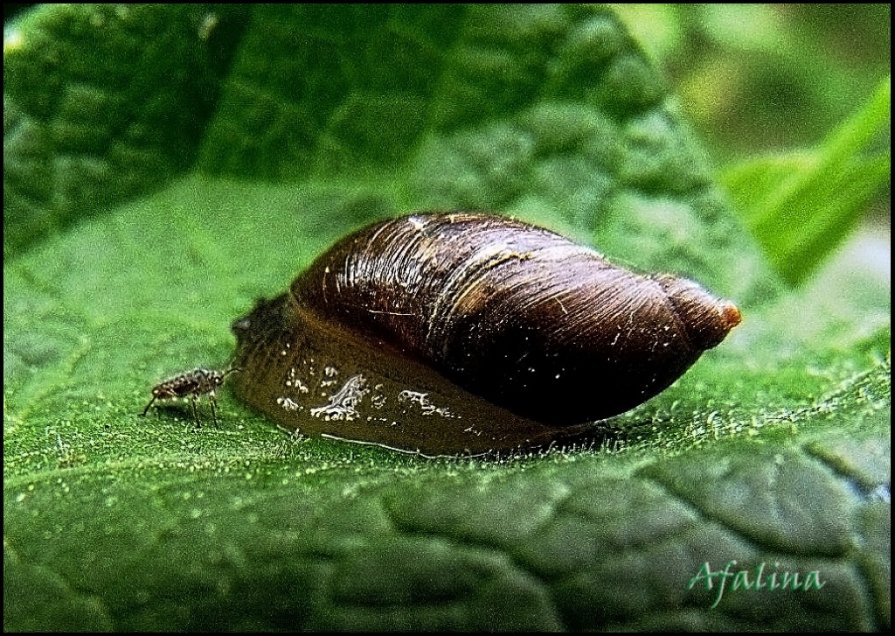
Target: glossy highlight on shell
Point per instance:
(468, 332)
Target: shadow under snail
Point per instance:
(468, 333)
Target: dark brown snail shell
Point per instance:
(465, 332)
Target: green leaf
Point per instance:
(102, 103)
(773, 450)
(800, 206)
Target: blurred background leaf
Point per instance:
(803, 205)
(785, 95)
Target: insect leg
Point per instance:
(214, 413)
(146, 410)
(195, 411)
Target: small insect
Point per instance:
(192, 384)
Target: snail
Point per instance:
(468, 333)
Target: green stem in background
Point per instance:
(801, 205)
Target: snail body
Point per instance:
(467, 332)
